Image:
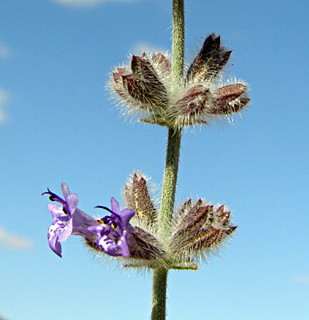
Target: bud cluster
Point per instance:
(145, 87)
(196, 230)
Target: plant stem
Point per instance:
(178, 41)
(171, 166)
(170, 179)
(159, 284)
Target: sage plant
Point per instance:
(154, 88)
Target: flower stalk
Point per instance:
(172, 162)
(142, 235)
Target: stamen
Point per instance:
(109, 210)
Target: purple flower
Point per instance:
(112, 231)
(67, 219)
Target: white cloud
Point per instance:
(5, 52)
(86, 3)
(301, 279)
(14, 241)
(141, 47)
(4, 96)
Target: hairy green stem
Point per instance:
(170, 179)
(158, 308)
(178, 41)
(171, 166)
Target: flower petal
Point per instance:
(64, 230)
(125, 217)
(115, 205)
(65, 189)
(54, 244)
(72, 201)
(57, 211)
(59, 231)
(123, 245)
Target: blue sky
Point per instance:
(57, 123)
